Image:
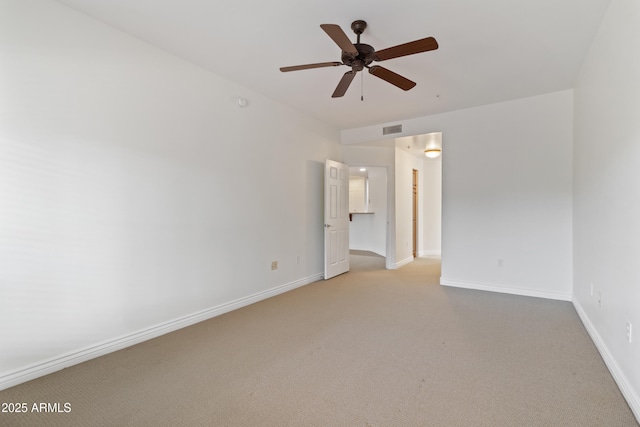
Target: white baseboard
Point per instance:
(431, 253)
(505, 290)
(618, 375)
(45, 367)
(402, 262)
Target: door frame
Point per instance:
(414, 209)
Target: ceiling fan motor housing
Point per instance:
(366, 55)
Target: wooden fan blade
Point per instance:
(340, 38)
(308, 66)
(342, 87)
(417, 46)
(391, 77)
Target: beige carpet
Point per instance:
(366, 261)
(368, 348)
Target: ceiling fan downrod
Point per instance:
(358, 27)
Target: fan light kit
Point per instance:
(359, 56)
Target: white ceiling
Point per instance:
(490, 50)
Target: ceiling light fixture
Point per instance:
(432, 153)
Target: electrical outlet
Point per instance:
(274, 265)
(629, 331)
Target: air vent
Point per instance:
(392, 129)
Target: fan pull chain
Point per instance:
(361, 86)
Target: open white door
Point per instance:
(336, 219)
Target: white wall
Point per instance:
(607, 193)
(432, 184)
(135, 194)
(506, 193)
(369, 232)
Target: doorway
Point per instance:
(411, 231)
(368, 209)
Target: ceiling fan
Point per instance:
(359, 56)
